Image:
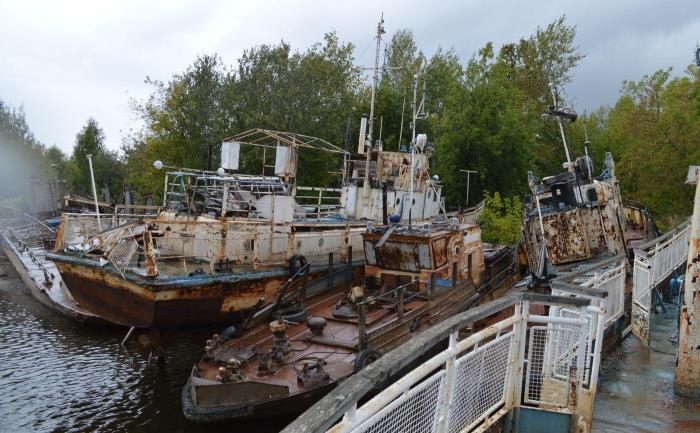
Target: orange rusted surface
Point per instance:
(408, 287)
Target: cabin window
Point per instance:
(592, 195)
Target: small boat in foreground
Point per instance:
(414, 277)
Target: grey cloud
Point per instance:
(67, 61)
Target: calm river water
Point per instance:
(59, 376)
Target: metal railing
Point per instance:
(603, 283)
(77, 228)
(523, 360)
(321, 201)
(654, 261)
(190, 244)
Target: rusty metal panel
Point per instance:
(566, 237)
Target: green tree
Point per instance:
(311, 92)
(501, 219)
(534, 64)
(23, 156)
(484, 128)
(107, 166)
(654, 131)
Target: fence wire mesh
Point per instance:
(414, 411)
(552, 353)
(122, 253)
(481, 381)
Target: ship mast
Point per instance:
(569, 166)
(418, 113)
(375, 78)
(587, 143)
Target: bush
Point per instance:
(501, 219)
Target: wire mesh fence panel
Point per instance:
(613, 282)
(415, 411)
(641, 289)
(122, 253)
(535, 364)
(481, 381)
(550, 354)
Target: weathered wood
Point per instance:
(579, 290)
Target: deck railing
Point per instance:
(321, 202)
(603, 283)
(654, 261)
(521, 360)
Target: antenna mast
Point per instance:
(375, 78)
(418, 113)
(561, 129)
(586, 143)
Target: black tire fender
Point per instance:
(365, 358)
(296, 262)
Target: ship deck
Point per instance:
(44, 281)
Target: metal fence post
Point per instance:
(521, 337)
(576, 398)
(348, 274)
(448, 388)
(362, 325)
(330, 270)
(513, 378)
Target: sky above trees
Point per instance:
(68, 61)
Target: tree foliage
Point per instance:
(501, 219)
(484, 114)
(654, 131)
(107, 166)
(22, 156)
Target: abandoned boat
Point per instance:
(577, 229)
(415, 276)
(227, 242)
(25, 246)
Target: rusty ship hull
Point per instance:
(142, 302)
(413, 279)
(42, 279)
(205, 400)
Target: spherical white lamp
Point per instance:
(221, 172)
(158, 164)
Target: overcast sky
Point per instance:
(68, 60)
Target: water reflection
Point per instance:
(60, 376)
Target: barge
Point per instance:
(415, 277)
(227, 242)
